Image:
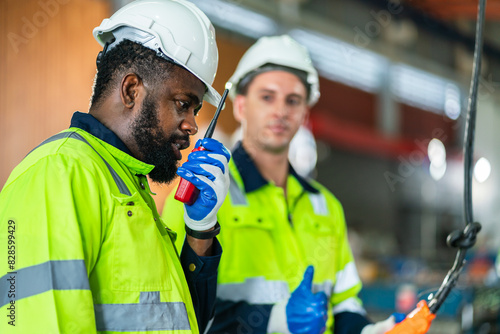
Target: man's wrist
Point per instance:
(203, 234)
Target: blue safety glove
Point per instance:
(307, 312)
(382, 327)
(208, 171)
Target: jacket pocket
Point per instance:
(244, 217)
(140, 259)
(322, 243)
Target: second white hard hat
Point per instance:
(176, 29)
(278, 50)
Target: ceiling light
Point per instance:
(342, 62)
(482, 170)
(436, 152)
(425, 91)
(237, 18)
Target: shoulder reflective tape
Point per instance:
(51, 275)
(255, 290)
(346, 278)
(318, 202)
(157, 316)
(54, 138)
(119, 182)
(326, 287)
(237, 196)
(349, 305)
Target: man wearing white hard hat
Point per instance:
(287, 265)
(92, 254)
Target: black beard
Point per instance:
(154, 144)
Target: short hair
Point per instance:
(125, 57)
(244, 83)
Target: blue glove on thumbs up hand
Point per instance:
(307, 312)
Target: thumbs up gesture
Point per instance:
(307, 312)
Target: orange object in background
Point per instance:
(417, 322)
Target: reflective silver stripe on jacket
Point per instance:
(349, 305)
(237, 196)
(347, 278)
(119, 182)
(50, 275)
(258, 290)
(255, 290)
(326, 287)
(150, 314)
(318, 202)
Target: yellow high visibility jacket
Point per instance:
(269, 239)
(88, 251)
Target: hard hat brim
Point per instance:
(212, 96)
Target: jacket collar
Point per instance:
(253, 179)
(115, 146)
(90, 124)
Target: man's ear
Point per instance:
(131, 90)
(239, 107)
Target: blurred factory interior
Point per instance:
(388, 129)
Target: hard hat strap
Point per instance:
(101, 54)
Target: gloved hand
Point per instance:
(307, 312)
(208, 171)
(383, 326)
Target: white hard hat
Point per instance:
(278, 50)
(176, 29)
